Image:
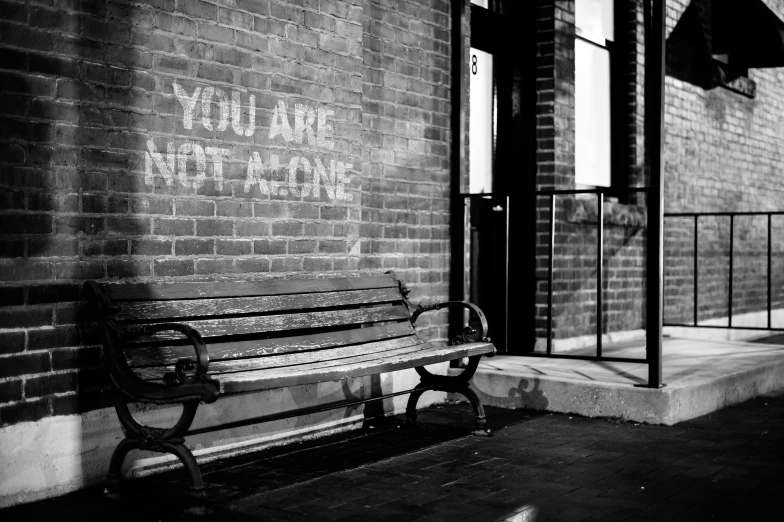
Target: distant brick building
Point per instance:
(723, 107)
(182, 139)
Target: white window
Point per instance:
(594, 30)
(481, 130)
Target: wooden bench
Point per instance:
(263, 335)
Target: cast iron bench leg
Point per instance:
(138, 436)
(450, 384)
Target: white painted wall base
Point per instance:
(57, 455)
(753, 319)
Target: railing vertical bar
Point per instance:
(599, 270)
(696, 270)
(732, 247)
(550, 277)
(770, 267)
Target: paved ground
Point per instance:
(725, 466)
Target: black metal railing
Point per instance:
(732, 215)
(600, 195)
(552, 195)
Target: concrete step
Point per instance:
(700, 376)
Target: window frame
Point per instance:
(620, 104)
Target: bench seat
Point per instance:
(245, 375)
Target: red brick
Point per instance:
(79, 224)
(214, 266)
(79, 270)
(53, 247)
(261, 7)
(12, 59)
(173, 267)
(173, 227)
(233, 247)
(11, 249)
(77, 358)
(190, 247)
(151, 247)
(50, 384)
(269, 247)
(317, 264)
(23, 364)
(256, 264)
(12, 295)
(286, 264)
(128, 269)
(27, 411)
(286, 228)
(10, 391)
(214, 228)
(186, 207)
(233, 209)
(12, 342)
(52, 293)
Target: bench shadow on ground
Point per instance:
(165, 496)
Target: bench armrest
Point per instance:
(123, 378)
(183, 365)
(469, 333)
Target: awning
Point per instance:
(748, 32)
(715, 42)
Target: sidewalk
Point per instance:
(538, 466)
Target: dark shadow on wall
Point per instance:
(67, 79)
(67, 207)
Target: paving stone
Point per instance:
(726, 465)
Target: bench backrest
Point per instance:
(240, 320)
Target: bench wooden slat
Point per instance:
(165, 355)
(330, 357)
(283, 322)
(197, 290)
(171, 309)
(318, 372)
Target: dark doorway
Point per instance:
(498, 194)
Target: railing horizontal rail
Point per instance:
(602, 358)
(720, 327)
(730, 282)
(725, 214)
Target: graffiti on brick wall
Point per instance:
(311, 126)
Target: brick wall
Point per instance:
(575, 265)
(723, 154)
(201, 139)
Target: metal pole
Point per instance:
(550, 277)
(506, 276)
(457, 161)
(732, 246)
(655, 15)
(770, 277)
(600, 266)
(696, 270)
